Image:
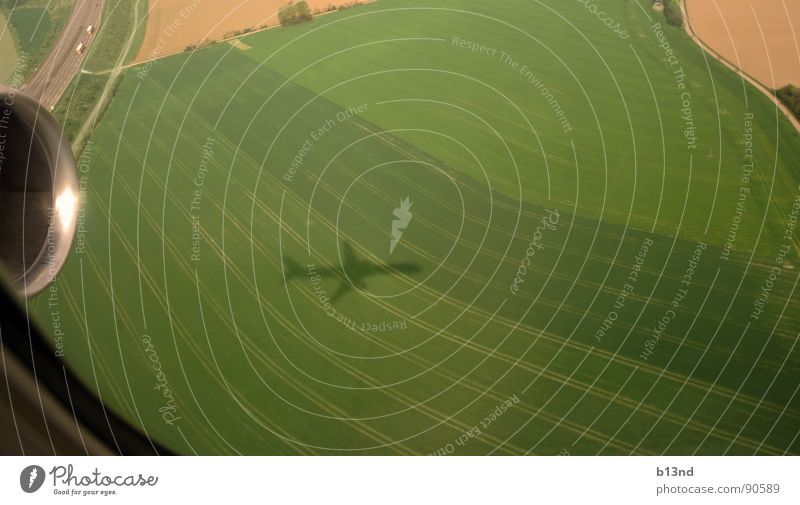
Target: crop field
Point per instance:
(172, 25)
(32, 25)
(451, 227)
(9, 49)
(756, 36)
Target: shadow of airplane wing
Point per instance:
(350, 260)
(344, 287)
(293, 270)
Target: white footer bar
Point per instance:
(400, 480)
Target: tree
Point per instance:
(294, 13)
(790, 95)
(673, 13)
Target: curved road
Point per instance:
(57, 70)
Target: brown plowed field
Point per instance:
(174, 24)
(762, 37)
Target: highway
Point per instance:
(57, 70)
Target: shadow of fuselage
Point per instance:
(352, 273)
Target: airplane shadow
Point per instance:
(357, 271)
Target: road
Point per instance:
(105, 97)
(57, 70)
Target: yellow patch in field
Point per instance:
(238, 44)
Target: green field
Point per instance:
(197, 302)
(8, 49)
(35, 25)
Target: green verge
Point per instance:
(78, 101)
(33, 26)
(198, 300)
(86, 88)
(36, 25)
(112, 35)
(8, 48)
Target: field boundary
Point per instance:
(111, 83)
(228, 39)
(769, 92)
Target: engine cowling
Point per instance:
(38, 193)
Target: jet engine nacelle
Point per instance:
(38, 193)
